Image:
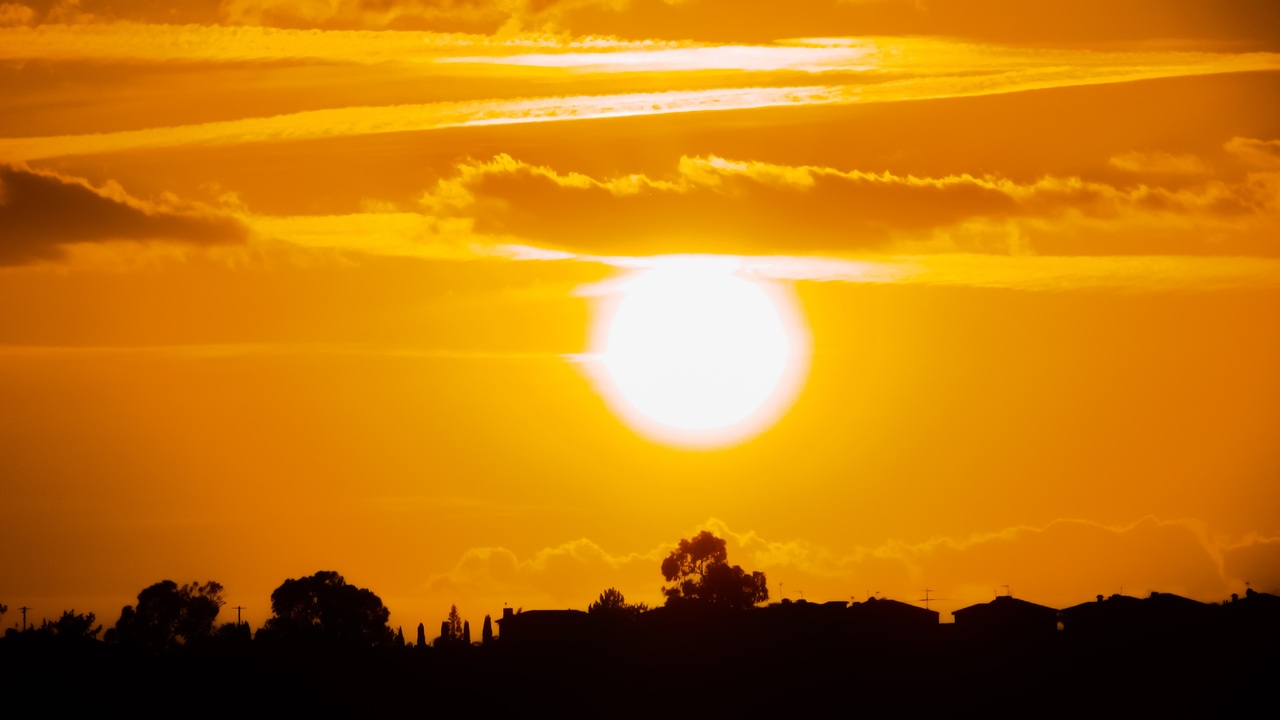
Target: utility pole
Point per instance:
(237, 609)
(24, 610)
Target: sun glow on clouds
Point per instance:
(694, 354)
(747, 58)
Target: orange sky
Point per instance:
(291, 285)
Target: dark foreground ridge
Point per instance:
(716, 648)
(1163, 653)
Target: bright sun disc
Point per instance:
(694, 354)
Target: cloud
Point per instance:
(711, 204)
(1258, 153)
(568, 575)
(350, 121)
(1123, 274)
(1159, 163)
(1254, 560)
(130, 41)
(392, 234)
(747, 58)
(1060, 563)
(381, 14)
(935, 71)
(41, 213)
(1049, 22)
(1057, 22)
(12, 13)
(375, 14)
(816, 223)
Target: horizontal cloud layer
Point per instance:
(1061, 563)
(1052, 21)
(41, 213)
(905, 70)
(717, 205)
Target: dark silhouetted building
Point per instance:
(1007, 617)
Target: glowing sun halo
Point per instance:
(692, 353)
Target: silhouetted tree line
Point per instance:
(328, 647)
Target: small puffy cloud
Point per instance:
(12, 13)
(568, 575)
(41, 213)
(1258, 153)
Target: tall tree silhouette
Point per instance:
(701, 572)
(451, 628)
(322, 609)
(167, 616)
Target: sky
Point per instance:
(302, 285)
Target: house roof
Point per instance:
(1004, 607)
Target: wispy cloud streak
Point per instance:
(368, 120)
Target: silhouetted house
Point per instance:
(1105, 617)
(1007, 618)
(783, 626)
(1252, 622)
(890, 619)
(690, 620)
(1257, 609)
(560, 628)
(880, 612)
(1166, 612)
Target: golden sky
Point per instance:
(292, 285)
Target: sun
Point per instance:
(693, 352)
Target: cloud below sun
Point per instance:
(1051, 563)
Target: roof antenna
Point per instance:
(926, 599)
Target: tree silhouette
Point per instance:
(486, 632)
(72, 626)
(451, 628)
(234, 632)
(322, 609)
(701, 572)
(168, 616)
(611, 603)
(422, 635)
